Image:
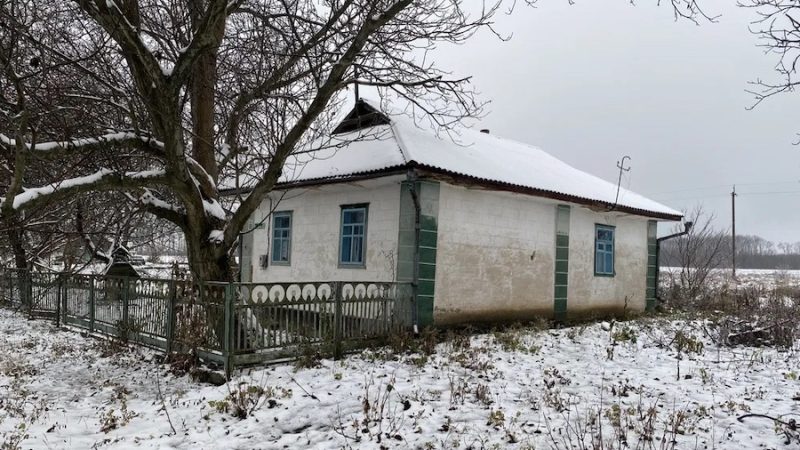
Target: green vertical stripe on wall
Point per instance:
(561, 269)
(652, 266)
(408, 246)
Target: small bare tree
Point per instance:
(696, 256)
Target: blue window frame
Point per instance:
(604, 250)
(353, 232)
(281, 237)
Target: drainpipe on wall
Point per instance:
(412, 178)
(687, 227)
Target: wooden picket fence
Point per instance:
(230, 324)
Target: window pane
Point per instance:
(346, 243)
(352, 216)
(609, 266)
(357, 246)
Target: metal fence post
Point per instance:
(337, 322)
(170, 318)
(64, 300)
(26, 293)
(125, 323)
(227, 344)
(58, 300)
(91, 304)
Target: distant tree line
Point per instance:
(752, 252)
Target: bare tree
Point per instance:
(179, 97)
(696, 255)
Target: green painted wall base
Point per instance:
(652, 266)
(561, 278)
(409, 247)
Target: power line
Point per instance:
(770, 193)
(719, 186)
(744, 194)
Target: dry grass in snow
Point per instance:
(648, 384)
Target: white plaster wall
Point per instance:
(589, 294)
(494, 257)
(316, 215)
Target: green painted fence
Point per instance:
(231, 324)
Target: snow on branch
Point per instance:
(149, 199)
(94, 180)
(119, 137)
(34, 193)
(213, 209)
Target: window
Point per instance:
(281, 237)
(604, 250)
(352, 245)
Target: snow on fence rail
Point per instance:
(257, 322)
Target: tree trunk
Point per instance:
(16, 239)
(201, 88)
(209, 263)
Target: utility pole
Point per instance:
(733, 229)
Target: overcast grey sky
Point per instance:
(594, 81)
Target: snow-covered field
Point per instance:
(520, 388)
(748, 277)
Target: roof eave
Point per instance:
(367, 175)
(459, 178)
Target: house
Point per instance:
(487, 229)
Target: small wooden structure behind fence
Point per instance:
(233, 324)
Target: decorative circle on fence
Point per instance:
(260, 294)
(324, 291)
(277, 293)
(374, 291)
(293, 292)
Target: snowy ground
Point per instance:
(514, 389)
(744, 277)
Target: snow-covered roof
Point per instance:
(478, 156)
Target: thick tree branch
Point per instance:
(323, 96)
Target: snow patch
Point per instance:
(216, 236)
